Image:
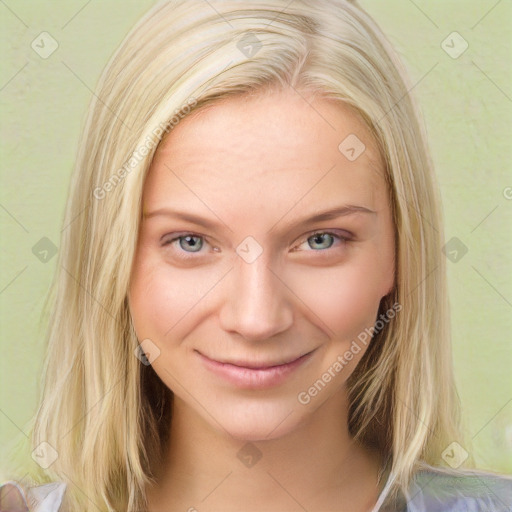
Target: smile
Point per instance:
(251, 375)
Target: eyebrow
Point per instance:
(329, 214)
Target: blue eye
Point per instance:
(192, 242)
(322, 240)
(188, 242)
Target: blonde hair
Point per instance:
(105, 413)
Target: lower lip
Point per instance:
(251, 378)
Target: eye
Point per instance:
(188, 242)
(322, 240)
(193, 242)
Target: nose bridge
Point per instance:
(256, 306)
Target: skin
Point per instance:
(259, 166)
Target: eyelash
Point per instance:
(189, 255)
(341, 239)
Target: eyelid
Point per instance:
(172, 237)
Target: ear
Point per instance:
(390, 282)
(388, 286)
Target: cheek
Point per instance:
(162, 298)
(346, 298)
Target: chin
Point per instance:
(258, 420)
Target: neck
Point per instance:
(317, 466)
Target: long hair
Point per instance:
(105, 413)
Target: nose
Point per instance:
(257, 304)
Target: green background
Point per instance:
(467, 107)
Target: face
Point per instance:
(264, 252)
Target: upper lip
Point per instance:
(257, 365)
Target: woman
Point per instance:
(250, 308)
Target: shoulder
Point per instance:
(439, 489)
(43, 498)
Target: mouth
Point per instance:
(249, 374)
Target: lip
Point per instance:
(250, 375)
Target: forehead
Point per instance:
(281, 144)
